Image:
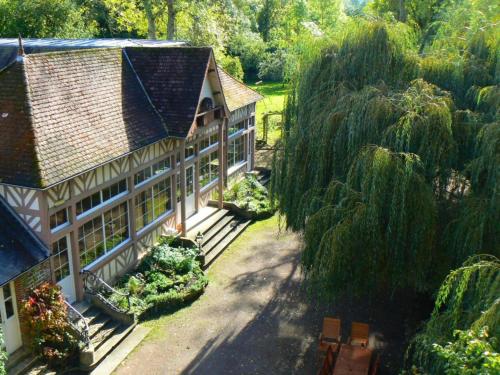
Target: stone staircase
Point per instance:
(105, 333)
(219, 230)
(263, 175)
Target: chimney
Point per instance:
(20, 50)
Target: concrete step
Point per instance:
(121, 351)
(222, 245)
(18, 366)
(221, 234)
(205, 225)
(91, 315)
(105, 332)
(97, 324)
(119, 334)
(82, 307)
(221, 224)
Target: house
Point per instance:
(104, 146)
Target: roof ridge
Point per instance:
(75, 51)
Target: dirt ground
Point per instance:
(255, 317)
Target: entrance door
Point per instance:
(9, 318)
(190, 193)
(63, 267)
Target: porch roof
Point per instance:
(237, 94)
(20, 249)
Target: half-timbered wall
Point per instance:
(27, 203)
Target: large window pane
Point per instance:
(204, 170)
(214, 165)
(143, 209)
(90, 241)
(161, 197)
(236, 151)
(116, 226)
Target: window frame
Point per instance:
(102, 203)
(63, 225)
(152, 174)
(212, 175)
(101, 227)
(153, 196)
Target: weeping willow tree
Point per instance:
(389, 161)
(363, 231)
(468, 299)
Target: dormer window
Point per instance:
(206, 105)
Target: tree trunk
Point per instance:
(151, 19)
(402, 11)
(171, 20)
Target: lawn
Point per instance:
(274, 100)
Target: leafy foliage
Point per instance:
(466, 312)
(166, 278)
(44, 19)
(248, 194)
(471, 353)
(3, 355)
(402, 213)
(47, 325)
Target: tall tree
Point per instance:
(43, 19)
(171, 19)
(148, 8)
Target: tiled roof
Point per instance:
(66, 112)
(9, 46)
(237, 94)
(20, 249)
(173, 78)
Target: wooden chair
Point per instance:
(375, 366)
(330, 336)
(328, 363)
(359, 334)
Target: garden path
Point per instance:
(253, 318)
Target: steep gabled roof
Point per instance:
(20, 249)
(173, 78)
(63, 113)
(237, 94)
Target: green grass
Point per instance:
(274, 100)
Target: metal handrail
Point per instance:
(86, 274)
(86, 331)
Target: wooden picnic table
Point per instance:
(353, 360)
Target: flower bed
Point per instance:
(250, 196)
(168, 278)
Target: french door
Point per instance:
(63, 267)
(9, 318)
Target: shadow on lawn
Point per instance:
(282, 336)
